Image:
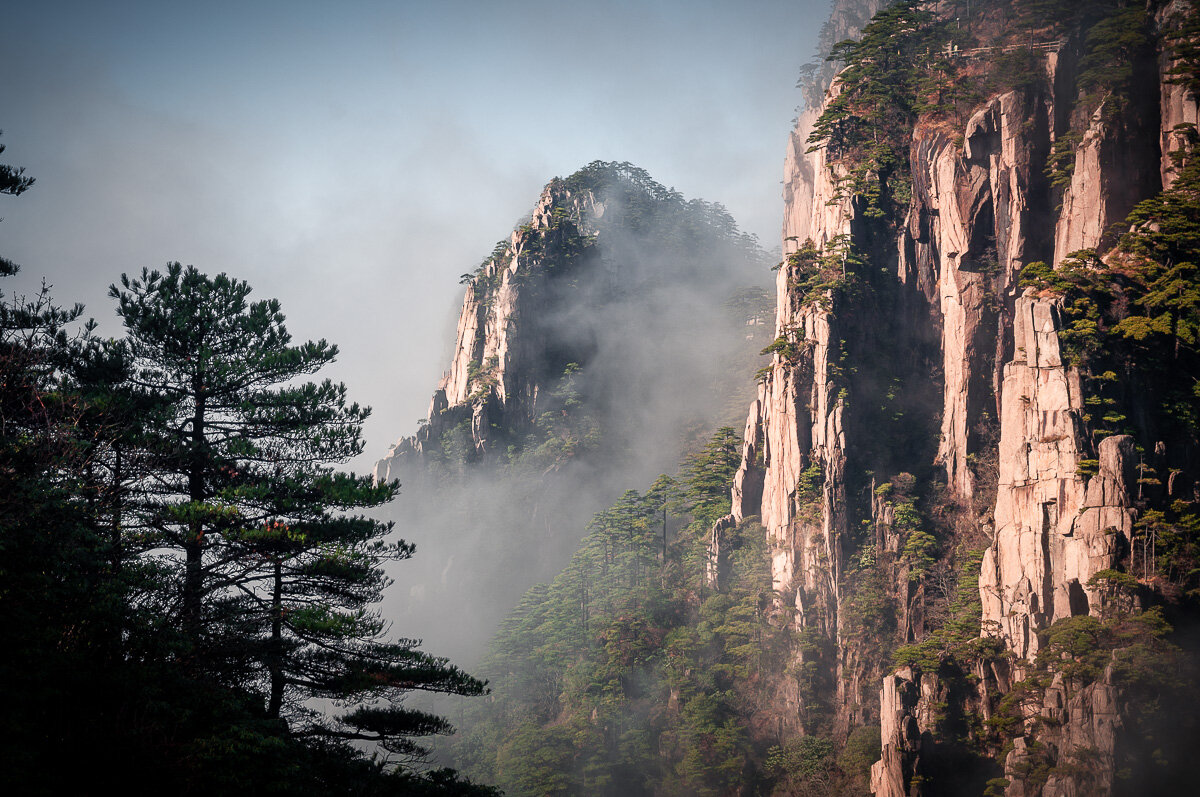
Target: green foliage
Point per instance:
(1162, 250)
(919, 547)
(892, 73)
(1151, 672)
(567, 428)
(537, 760)
(783, 347)
(868, 610)
(13, 181)
(862, 749)
(1016, 69)
(1134, 642)
(1166, 547)
(1183, 40)
(709, 474)
(821, 277)
(918, 553)
(1074, 647)
(958, 640)
(1112, 45)
(178, 562)
(1140, 309)
(1060, 168)
(629, 670)
(698, 227)
(803, 764)
(810, 494)
(1115, 36)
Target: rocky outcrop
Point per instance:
(814, 210)
(1055, 528)
(796, 424)
(807, 212)
(1106, 181)
(1177, 105)
(900, 733)
(1076, 743)
(497, 368)
(982, 209)
(967, 237)
(564, 328)
(716, 566)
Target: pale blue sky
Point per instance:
(353, 159)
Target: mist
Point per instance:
(353, 162)
(665, 357)
(350, 162)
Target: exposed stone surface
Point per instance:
(796, 422)
(1052, 524)
(1079, 735)
(1086, 213)
(716, 566)
(982, 208)
(1117, 164)
(1177, 105)
(900, 734)
(494, 373)
(965, 241)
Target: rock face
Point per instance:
(1176, 106)
(968, 235)
(1084, 727)
(556, 398)
(982, 208)
(901, 700)
(611, 276)
(794, 454)
(1055, 528)
(499, 362)
(792, 473)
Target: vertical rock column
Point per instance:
(1055, 528)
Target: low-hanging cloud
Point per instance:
(663, 360)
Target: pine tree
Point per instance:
(274, 578)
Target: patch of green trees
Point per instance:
(630, 672)
(188, 582)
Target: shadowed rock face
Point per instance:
(981, 210)
(612, 275)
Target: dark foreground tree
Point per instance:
(276, 577)
(128, 669)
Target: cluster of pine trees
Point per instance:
(186, 580)
(641, 667)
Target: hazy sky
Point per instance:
(353, 159)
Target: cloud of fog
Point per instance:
(353, 160)
(665, 361)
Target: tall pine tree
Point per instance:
(275, 578)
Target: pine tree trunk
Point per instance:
(275, 652)
(193, 583)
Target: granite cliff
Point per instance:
(604, 282)
(930, 327)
